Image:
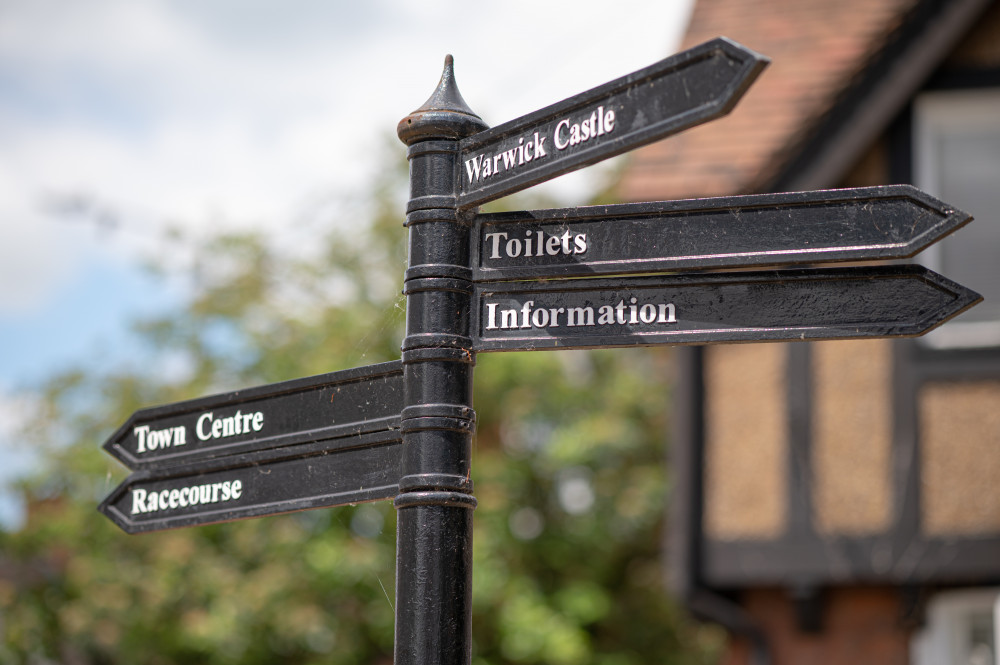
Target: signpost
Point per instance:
(499, 282)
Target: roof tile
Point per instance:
(816, 48)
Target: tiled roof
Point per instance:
(816, 47)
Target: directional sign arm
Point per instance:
(682, 91)
(263, 482)
(861, 224)
(788, 305)
(324, 407)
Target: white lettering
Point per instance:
(510, 158)
(495, 238)
(630, 312)
(540, 318)
(472, 167)
(539, 146)
(147, 439)
(580, 316)
(513, 247)
(568, 132)
(497, 245)
(620, 312)
(144, 501)
(138, 500)
(552, 245)
(201, 419)
(560, 145)
(508, 318)
(140, 435)
(210, 427)
(491, 316)
(524, 313)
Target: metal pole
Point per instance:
(435, 502)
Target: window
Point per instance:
(957, 159)
(961, 629)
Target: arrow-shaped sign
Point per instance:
(869, 223)
(835, 303)
(328, 406)
(321, 474)
(682, 91)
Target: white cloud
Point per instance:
(241, 110)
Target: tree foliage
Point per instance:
(568, 468)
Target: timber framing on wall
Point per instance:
(875, 106)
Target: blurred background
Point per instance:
(198, 197)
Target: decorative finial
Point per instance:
(445, 115)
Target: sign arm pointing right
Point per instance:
(679, 92)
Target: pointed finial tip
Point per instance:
(444, 114)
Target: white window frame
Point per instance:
(939, 642)
(934, 113)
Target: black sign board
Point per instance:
(789, 305)
(328, 406)
(867, 223)
(672, 95)
(265, 482)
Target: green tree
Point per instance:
(568, 467)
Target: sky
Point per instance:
(119, 118)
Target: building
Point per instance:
(839, 502)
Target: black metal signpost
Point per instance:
(501, 282)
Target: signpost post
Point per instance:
(501, 282)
